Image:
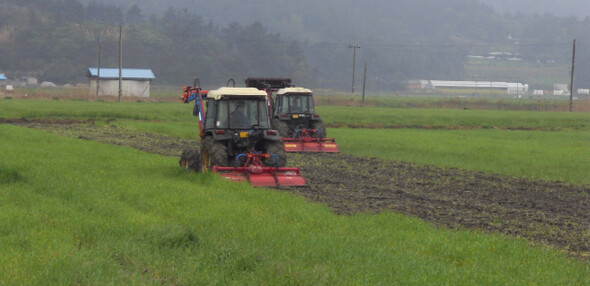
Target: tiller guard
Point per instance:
(259, 175)
(307, 141)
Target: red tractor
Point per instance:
(236, 138)
(293, 115)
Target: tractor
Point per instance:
(236, 138)
(293, 116)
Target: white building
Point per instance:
(511, 88)
(3, 80)
(134, 83)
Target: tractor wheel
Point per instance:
(281, 127)
(320, 127)
(190, 159)
(213, 153)
(276, 148)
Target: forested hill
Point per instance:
(337, 20)
(307, 40)
(58, 41)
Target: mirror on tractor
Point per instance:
(196, 110)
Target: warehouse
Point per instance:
(134, 82)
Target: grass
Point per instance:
(546, 145)
(32, 109)
(563, 156)
(370, 117)
(81, 212)
(333, 115)
(450, 100)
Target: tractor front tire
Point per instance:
(320, 127)
(282, 128)
(276, 148)
(190, 159)
(213, 153)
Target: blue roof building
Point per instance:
(3, 80)
(135, 82)
(134, 74)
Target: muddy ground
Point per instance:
(549, 213)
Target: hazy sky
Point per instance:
(578, 8)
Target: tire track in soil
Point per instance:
(551, 213)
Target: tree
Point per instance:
(104, 13)
(133, 15)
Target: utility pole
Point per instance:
(98, 71)
(572, 79)
(364, 81)
(120, 62)
(354, 47)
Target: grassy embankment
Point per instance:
(82, 212)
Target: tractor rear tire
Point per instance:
(320, 127)
(190, 159)
(213, 153)
(281, 127)
(276, 148)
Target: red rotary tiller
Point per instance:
(259, 175)
(307, 140)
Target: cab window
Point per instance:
(242, 114)
(298, 103)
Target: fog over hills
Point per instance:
(400, 40)
(561, 8)
(223, 8)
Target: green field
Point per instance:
(78, 212)
(562, 156)
(367, 117)
(546, 145)
(82, 212)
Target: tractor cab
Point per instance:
(238, 119)
(294, 100)
(236, 109)
(295, 111)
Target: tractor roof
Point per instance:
(293, 90)
(264, 82)
(222, 92)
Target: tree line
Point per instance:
(57, 40)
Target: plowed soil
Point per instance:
(549, 213)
